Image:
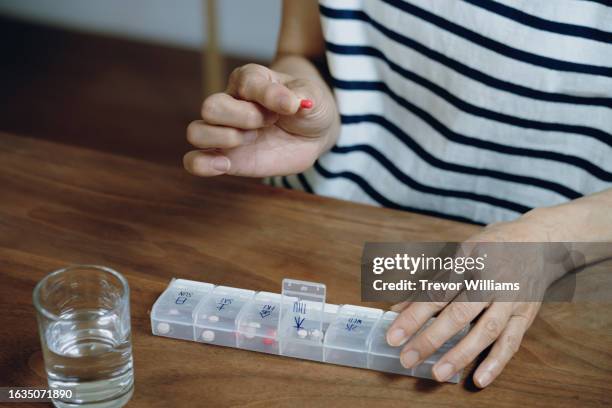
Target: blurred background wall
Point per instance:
(246, 28)
(124, 76)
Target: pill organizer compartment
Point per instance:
(215, 316)
(346, 339)
(306, 327)
(382, 356)
(301, 327)
(172, 313)
(258, 323)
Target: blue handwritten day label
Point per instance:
(266, 310)
(224, 302)
(299, 322)
(182, 297)
(299, 307)
(353, 323)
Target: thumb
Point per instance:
(314, 114)
(311, 100)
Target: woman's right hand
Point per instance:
(257, 128)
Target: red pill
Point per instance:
(306, 104)
(267, 340)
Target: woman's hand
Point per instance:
(502, 322)
(257, 128)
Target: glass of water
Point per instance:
(84, 323)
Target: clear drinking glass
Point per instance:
(83, 317)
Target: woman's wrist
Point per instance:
(546, 223)
(583, 225)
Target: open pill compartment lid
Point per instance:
(302, 309)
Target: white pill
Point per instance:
(173, 312)
(316, 334)
(208, 335)
(213, 318)
(163, 328)
(250, 333)
(254, 325)
(302, 333)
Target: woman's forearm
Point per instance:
(584, 220)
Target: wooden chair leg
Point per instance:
(212, 58)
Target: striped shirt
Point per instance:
(473, 110)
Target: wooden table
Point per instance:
(62, 205)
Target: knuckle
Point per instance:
(245, 77)
(252, 118)
(462, 357)
(408, 319)
(235, 74)
(512, 343)
(233, 136)
(255, 68)
(430, 341)
(242, 85)
(460, 313)
(209, 108)
(492, 329)
(436, 303)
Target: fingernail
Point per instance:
(249, 137)
(285, 103)
(484, 379)
(409, 358)
(444, 371)
(221, 164)
(396, 337)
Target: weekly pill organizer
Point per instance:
(296, 323)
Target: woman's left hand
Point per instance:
(502, 323)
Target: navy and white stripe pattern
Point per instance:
(474, 110)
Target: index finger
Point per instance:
(258, 84)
